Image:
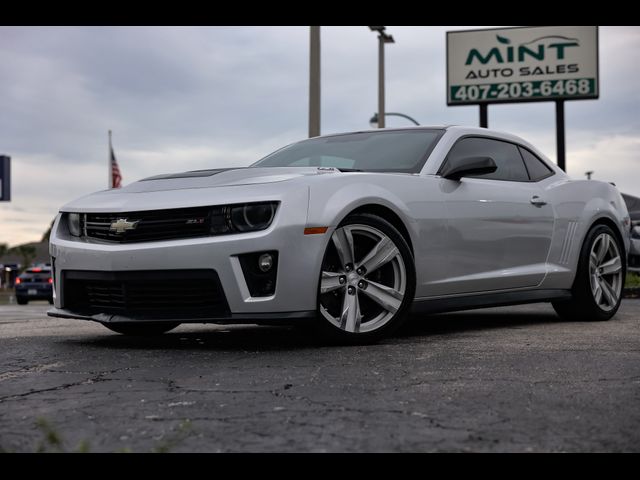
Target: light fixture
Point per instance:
(374, 119)
(265, 262)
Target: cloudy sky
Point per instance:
(190, 98)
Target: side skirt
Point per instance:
(485, 300)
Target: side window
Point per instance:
(505, 154)
(536, 167)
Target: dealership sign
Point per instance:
(522, 64)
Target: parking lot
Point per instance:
(504, 379)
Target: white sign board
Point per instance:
(522, 64)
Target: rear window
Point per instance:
(36, 276)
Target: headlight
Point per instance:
(252, 216)
(73, 220)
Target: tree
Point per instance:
(4, 249)
(26, 252)
(47, 234)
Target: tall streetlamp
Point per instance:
(382, 39)
(374, 120)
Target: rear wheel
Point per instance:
(367, 282)
(141, 329)
(597, 289)
(22, 301)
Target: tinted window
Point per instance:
(35, 277)
(505, 154)
(390, 151)
(537, 169)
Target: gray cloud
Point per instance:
(181, 98)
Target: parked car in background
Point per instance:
(34, 284)
(633, 205)
(634, 249)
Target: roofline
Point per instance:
(380, 130)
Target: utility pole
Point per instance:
(314, 81)
(382, 39)
(560, 143)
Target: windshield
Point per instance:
(384, 151)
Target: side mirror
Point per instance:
(467, 166)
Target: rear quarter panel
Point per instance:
(578, 205)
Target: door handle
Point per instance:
(536, 200)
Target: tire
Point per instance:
(22, 301)
(365, 295)
(596, 295)
(141, 329)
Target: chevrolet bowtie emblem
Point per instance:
(122, 225)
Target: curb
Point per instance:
(631, 292)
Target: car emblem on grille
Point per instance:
(122, 225)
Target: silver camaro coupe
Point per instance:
(352, 231)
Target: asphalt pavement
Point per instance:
(511, 379)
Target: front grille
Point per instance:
(149, 225)
(145, 294)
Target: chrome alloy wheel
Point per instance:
(605, 271)
(363, 279)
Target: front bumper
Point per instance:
(299, 260)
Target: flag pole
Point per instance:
(110, 170)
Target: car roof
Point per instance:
(460, 129)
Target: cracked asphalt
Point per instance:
(511, 379)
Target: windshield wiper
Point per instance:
(348, 169)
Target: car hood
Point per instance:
(221, 178)
(166, 191)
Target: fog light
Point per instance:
(260, 271)
(265, 262)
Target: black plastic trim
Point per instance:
(144, 294)
(256, 318)
(468, 302)
(259, 283)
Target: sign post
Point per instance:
(5, 178)
(523, 64)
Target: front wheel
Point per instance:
(367, 281)
(141, 329)
(597, 289)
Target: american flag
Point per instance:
(116, 177)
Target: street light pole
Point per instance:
(382, 39)
(381, 122)
(314, 81)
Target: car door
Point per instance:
(499, 227)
